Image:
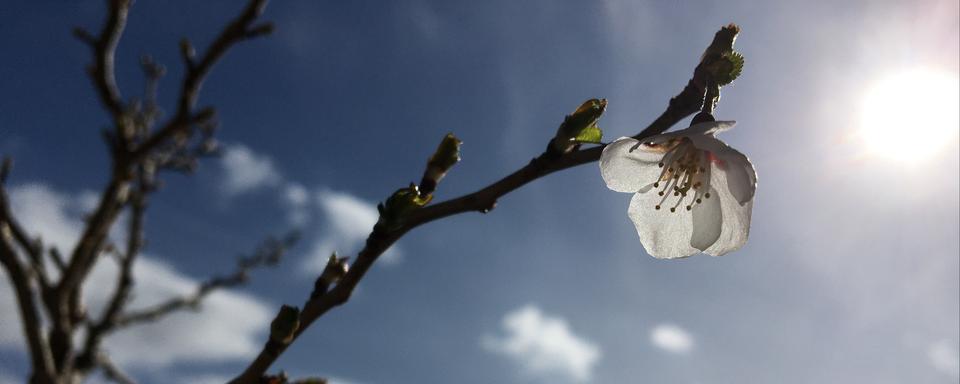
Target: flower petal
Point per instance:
(740, 176)
(707, 223)
(627, 167)
(664, 235)
(735, 227)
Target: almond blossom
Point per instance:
(692, 192)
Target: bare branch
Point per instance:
(113, 372)
(268, 254)
(40, 353)
(689, 101)
(65, 310)
(104, 47)
(237, 30)
(32, 247)
(135, 239)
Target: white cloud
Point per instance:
(296, 198)
(347, 222)
(244, 170)
(544, 346)
(671, 338)
(228, 327)
(944, 357)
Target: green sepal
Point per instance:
(727, 68)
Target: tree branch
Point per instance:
(32, 247)
(237, 30)
(689, 101)
(65, 310)
(112, 371)
(89, 357)
(268, 254)
(104, 47)
(40, 354)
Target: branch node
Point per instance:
(259, 30)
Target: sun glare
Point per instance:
(911, 116)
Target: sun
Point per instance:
(911, 116)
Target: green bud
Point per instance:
(446, 155)
(727, 68)
(580, 126)
(719, 60)
(285, 325)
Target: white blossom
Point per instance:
(693, 192)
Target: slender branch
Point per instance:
(63, 304)
(32, 247)
(135, 239)
(10, 231)
(104, 46)
(689, 101)
(267, 254)
(65, 310)
(30, 318)
(112, 371)
(237, 30)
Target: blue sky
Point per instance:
(850, 275)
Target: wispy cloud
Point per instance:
(944, 357)
(228, 327)
(245, 170)
(671, 338)
(544, 346)
(347, 222)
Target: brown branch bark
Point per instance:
(20, 279)
(689, 101)
(89, 356)
(104, 47)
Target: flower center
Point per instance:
(684, 175)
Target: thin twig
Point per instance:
(239, 29)
(40, 354)
(104, 46)
(135, 239)
(111, 371)
(268, 254)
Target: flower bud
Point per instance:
(446, 155)
(335, 270)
